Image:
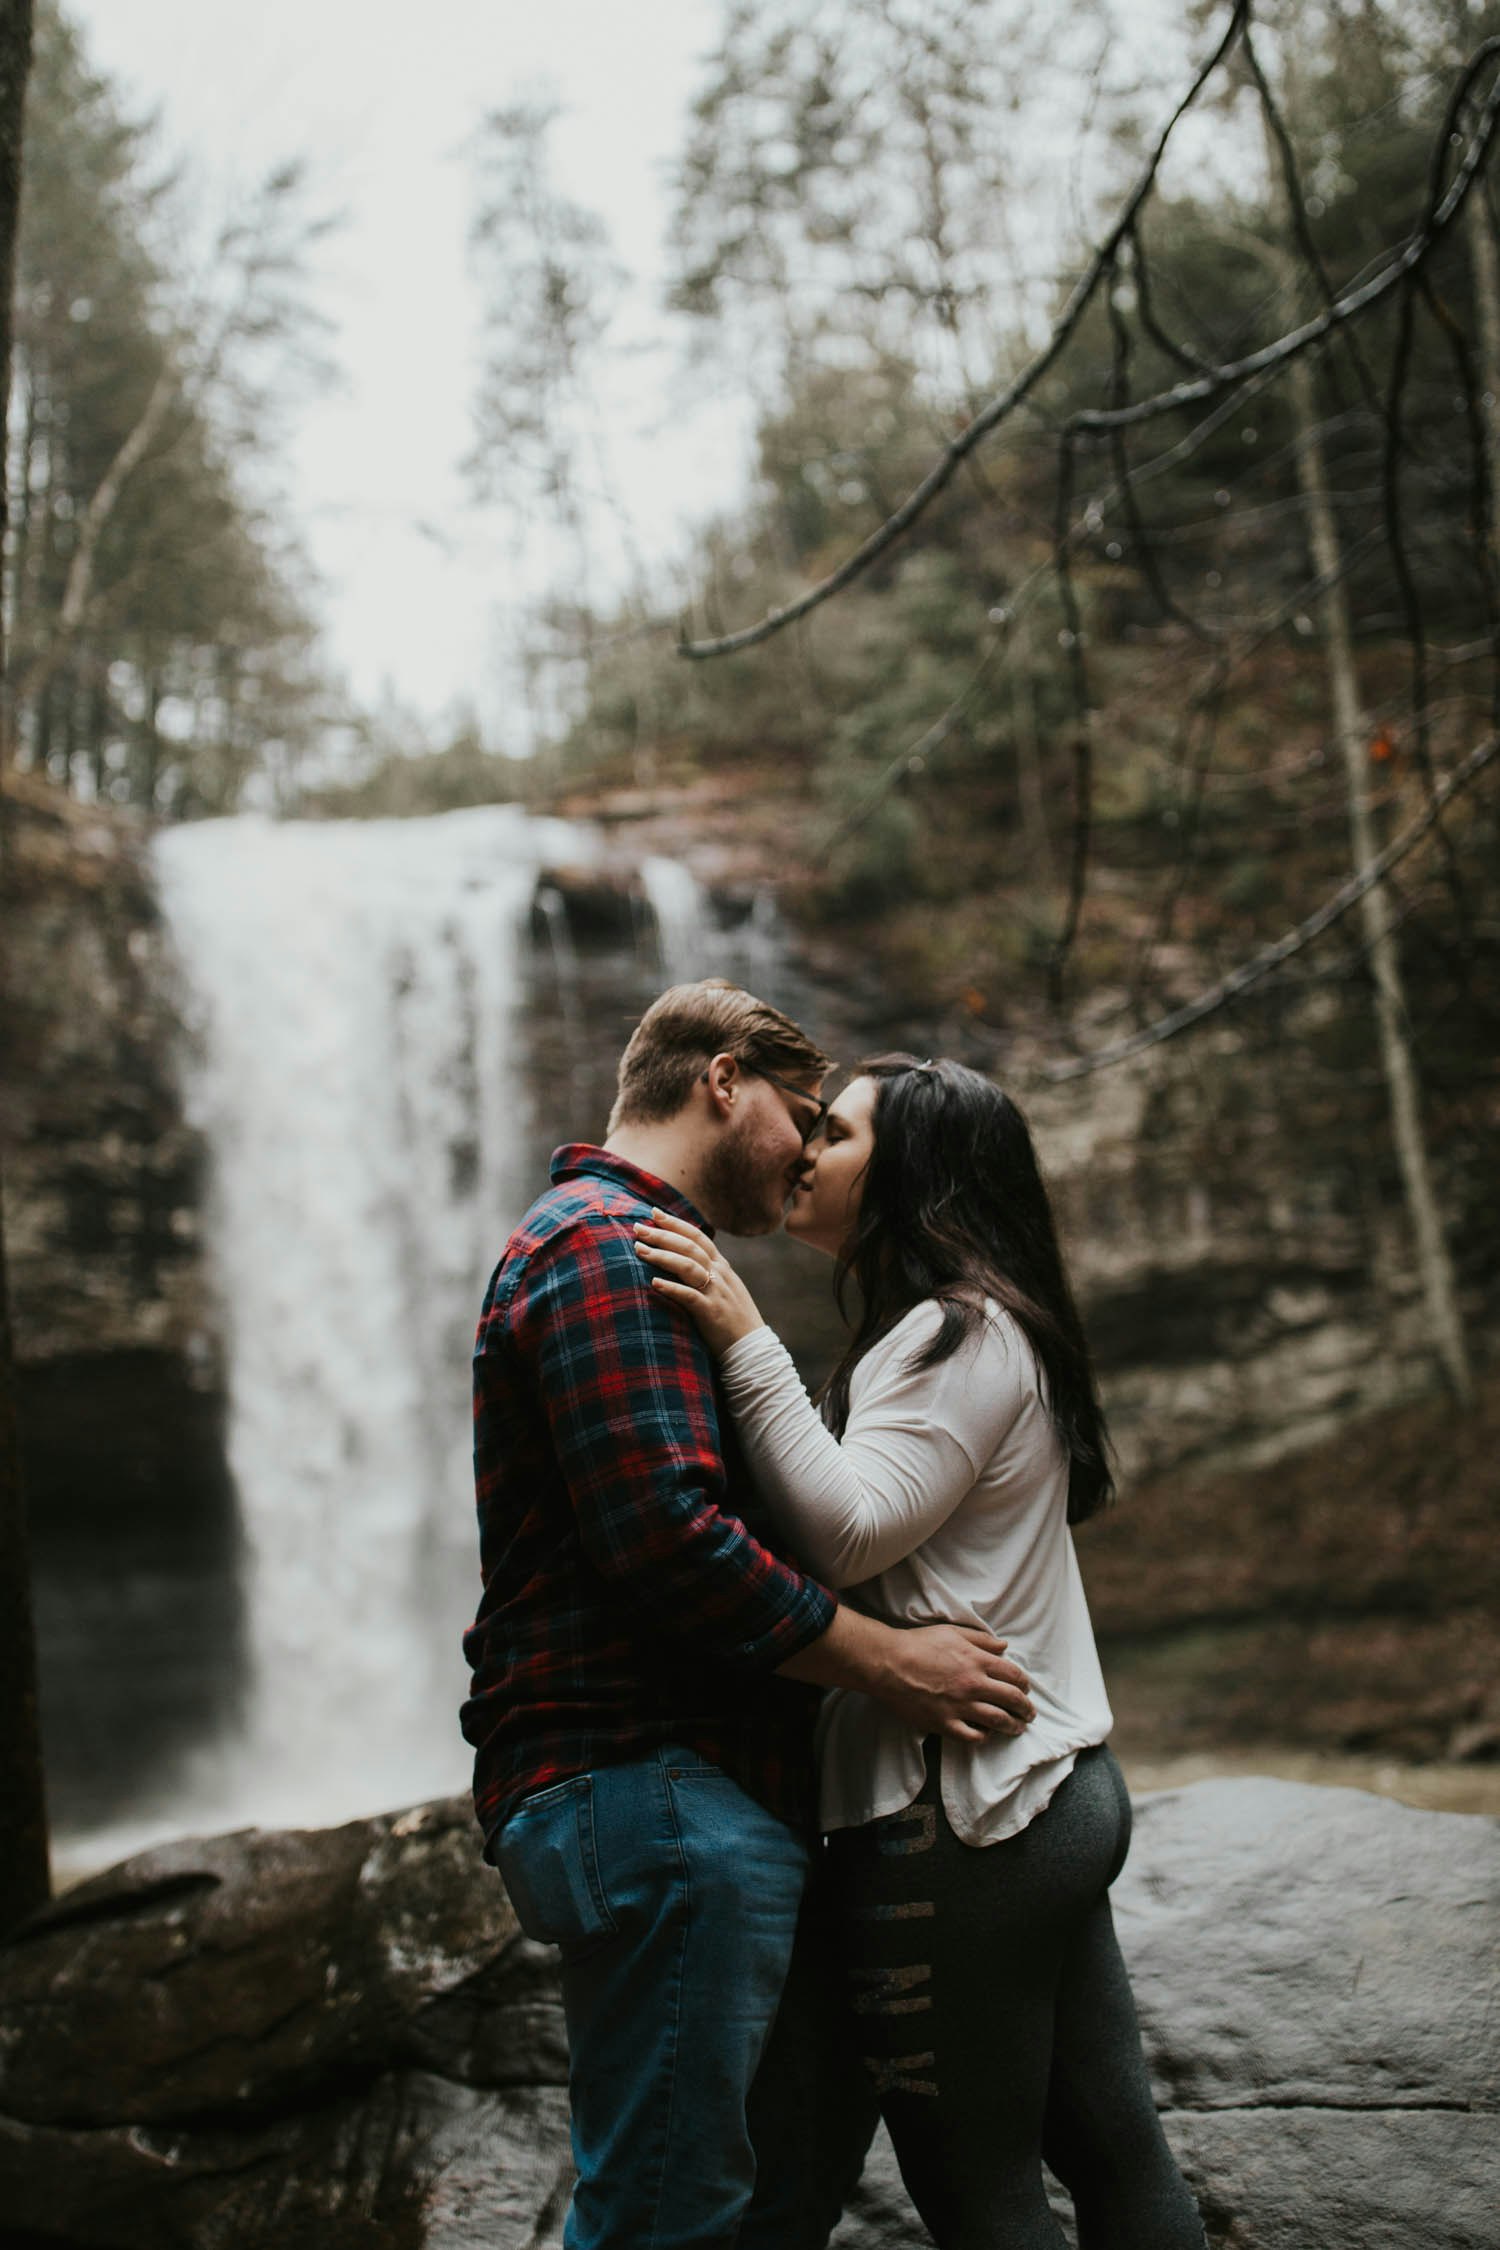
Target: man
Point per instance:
(645, 1657)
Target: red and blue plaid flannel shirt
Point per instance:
(631, 1596)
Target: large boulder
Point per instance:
(342, 2038)
(1319, 1988)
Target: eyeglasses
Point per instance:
(820, 1108)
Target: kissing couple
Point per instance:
(789, 1726)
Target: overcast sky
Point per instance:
(382, 100)
(417, 589)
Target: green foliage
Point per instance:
(932, 717)
(400, 784)
(162, 646)
(875, 863)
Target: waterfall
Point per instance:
(389, 1025)
(691, 944)
(687, 945)
(550, 910)
(353, 990)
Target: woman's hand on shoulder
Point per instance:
(693, 1271)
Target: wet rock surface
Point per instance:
(341, 2038)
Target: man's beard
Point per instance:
(740, 1193)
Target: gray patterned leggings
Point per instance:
(997, 2022)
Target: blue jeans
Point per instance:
(674, 1900)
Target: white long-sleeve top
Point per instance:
(946, 1499)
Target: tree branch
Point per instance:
(999, 409)
(1272, 957)
(1270, 358)
(80, 581)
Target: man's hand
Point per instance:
(941, 1679)
(955, 1680)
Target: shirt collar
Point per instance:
(582, 1159)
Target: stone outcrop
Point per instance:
(1234, 1224)
(1242, 1302)
(120, 1377)
(602, 905)
(342, 2038)
(103, 1173)
(1318, 1985)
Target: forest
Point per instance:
(1115, 663)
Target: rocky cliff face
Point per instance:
(1248, 1284)
(1243, 1257)
(1243, 1260)
(1243, 1268)
(120, 1375)
(1243, 1299)
(102, 1175)
(1229, 1202)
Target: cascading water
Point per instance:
(752, 953)
(392, 1023)
(354, 991)
(674, 898)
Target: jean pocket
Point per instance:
(549, 1864)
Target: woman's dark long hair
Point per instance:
(954, 1208)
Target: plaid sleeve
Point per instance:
(626, 1384)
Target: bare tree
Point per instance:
(1352, 732)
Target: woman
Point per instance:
(962, 1435)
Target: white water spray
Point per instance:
(353, 990)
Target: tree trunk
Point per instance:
(25, 1873)
(1030, 788)
(20, 521)
(1434, 1264)
(79, 586)
(148, 745)
(1485, 260)
(98, 744)
(25, 1879)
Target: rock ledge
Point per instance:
(342, 2038)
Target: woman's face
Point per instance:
(824, 1208)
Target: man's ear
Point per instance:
(723, 1085)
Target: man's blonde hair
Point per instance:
(679, 1035)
